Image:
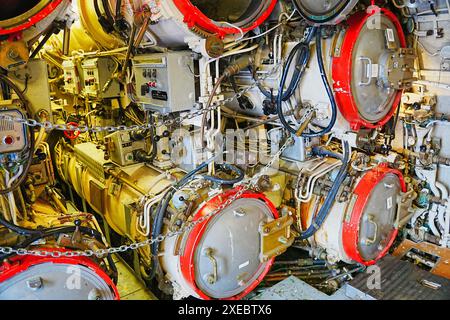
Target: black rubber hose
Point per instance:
(323, 152)
(142, 156)
(115, 272)
(118, 9)
(279, 100)
(302, 53)
(328, 88)
(330, 94)
(19, 230)
(161, 210)
(331, 197)
(43, 233)
(162, 207)
(164, 204)
(228, 182)
(302, 61)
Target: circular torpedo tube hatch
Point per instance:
(363, 86)
(362, 228)
(371, 226)
(28, 19)
(220, 258)
(182, 19)
(324, 11)
(21, 24)
(48, 278)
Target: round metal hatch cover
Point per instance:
(324, 11)
(239, 12)
(56, 281)
(374, 100)
(14, 8)
(378, 219)
(227, 258)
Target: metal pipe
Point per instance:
(66, 41)
(130, 48)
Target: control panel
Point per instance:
(72, 82)
(165, 82)
(120, 147)
(98, 75)
(12, 134)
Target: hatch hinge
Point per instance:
(276, 237)
(400, 68)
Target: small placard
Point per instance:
(390, 35)
(389, 203)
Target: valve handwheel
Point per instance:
(72, 134)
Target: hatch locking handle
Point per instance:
(211, 278)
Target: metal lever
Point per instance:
(76, 237)
(142, 30)
(136, 36)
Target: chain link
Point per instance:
(167, 122)
(100, 253)
(242, 188)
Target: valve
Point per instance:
(72, 134)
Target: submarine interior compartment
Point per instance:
(224, 149)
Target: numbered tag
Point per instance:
(389, 203)
(390, 36)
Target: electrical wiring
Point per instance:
(301, 51)
(294, 106)
(270, 30)
(29, 157)
(325, 81)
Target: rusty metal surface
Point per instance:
(442, 267)
(401, 280)
(276, 237)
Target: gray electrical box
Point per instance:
(121, 148)
(12, 134)
(32, 80)
(165, 82)
(98, 78)
(72, 80)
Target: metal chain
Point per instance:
(48, 125)
(243, 187)
(248, 185)
(83, 128)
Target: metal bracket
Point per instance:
(400, 69)
(276, 237)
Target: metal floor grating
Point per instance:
(402, 280)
